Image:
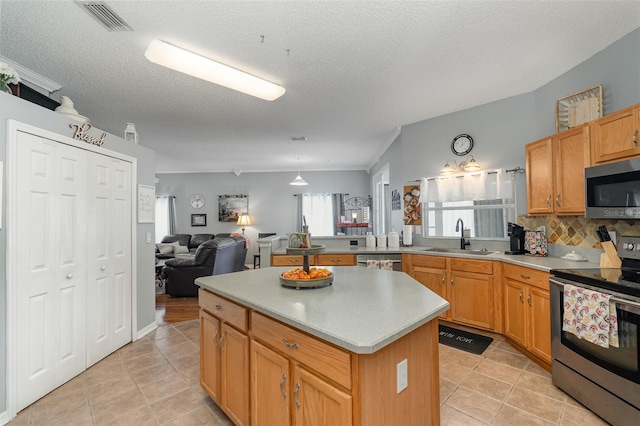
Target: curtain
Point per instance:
(318, 211)
(486, 185)
(165, 216)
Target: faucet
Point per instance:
(460, 227)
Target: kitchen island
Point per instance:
(361, 351)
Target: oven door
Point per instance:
(615, 369)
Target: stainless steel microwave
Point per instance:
(612, 191)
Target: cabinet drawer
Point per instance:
(336, 259)
(429, 261)
(470, 265)
(224, 309)
(310, 351)
(526, 275)
(286, 260)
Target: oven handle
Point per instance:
(612, 298)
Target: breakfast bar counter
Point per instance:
(361, 351)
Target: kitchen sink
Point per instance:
(460, 251)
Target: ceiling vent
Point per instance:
(104, 15)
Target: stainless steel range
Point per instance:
(606, 380)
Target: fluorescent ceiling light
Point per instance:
(198, 66)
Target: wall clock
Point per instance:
(462, 144)
(197, 201)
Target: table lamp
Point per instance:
(244, 220)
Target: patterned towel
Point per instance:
(373, 264)
(590, 315)
(386, 264)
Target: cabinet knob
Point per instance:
(558, 200)
(526, 277)
(443, 280)
(635, 137)
(529, 300)
(295, 395)
(451, 282)
(104, 268)
(521, 297)
(549, 201)
(69, 276)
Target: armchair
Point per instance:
(212, 257)
(197, 239)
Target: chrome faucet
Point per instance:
(460, 227)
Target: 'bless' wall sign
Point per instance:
(81, 133)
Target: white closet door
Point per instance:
(51, 265)
(109, 256)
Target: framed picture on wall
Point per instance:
(199, 219)
(230, 207)
(146, 204)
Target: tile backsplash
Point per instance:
(577, 231)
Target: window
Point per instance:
(484, 201)
(318, 212)
(165, 217)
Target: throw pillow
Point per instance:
(177, 248)
(165, 248)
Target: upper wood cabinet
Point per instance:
(616, 136)
(555, 172)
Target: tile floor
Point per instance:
(155, 381)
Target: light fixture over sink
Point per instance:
(186, 62)
(466, 166)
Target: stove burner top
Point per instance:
(623, 280)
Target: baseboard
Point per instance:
(4, 418)
(148, 329)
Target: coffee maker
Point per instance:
(516, 238)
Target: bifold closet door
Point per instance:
(109, 256)
(51, 266)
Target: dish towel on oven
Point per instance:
(380, 264)
(590, 315)
(373, 264)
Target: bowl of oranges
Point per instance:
(299, 278)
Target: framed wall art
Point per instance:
(146, 204)
(230, 207)
(199, 219)
(579, 108)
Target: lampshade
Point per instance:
(244, 219)
(298, 181)
(472, 166)
(198, 66)
(447, 170)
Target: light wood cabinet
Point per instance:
(555, 172)
(527, 320)
(616, 136)
(317, 402)
(290, 260)
(224, 355)
(467, 284)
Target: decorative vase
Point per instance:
(5, 88)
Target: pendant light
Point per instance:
(298, 181)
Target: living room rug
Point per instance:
(469, 342)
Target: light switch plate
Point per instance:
(402, 379)
(148, 237)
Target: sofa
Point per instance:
(220, 255)
(180, 244)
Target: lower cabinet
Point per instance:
(527, 318)
(224, 355)
(280, 387)
(467, 284)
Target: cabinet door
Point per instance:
(336, 259)
(290, 260)
(571, 157)
(234, 354)
(472, 299)
(613, 136)
(434, 279)
(270, 387)
(514, 312)
(539, 327)
(317, 402)
(539, 170)
(210, 355)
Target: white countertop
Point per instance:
(362, 311)
(543, 263)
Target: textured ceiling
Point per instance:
(354, 71)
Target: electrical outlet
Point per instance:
(402, 375)
(148, 237)
(353, 242)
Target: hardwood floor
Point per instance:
(175, 309)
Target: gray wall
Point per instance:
(18, 109)
(501, 129)
(272, 206)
